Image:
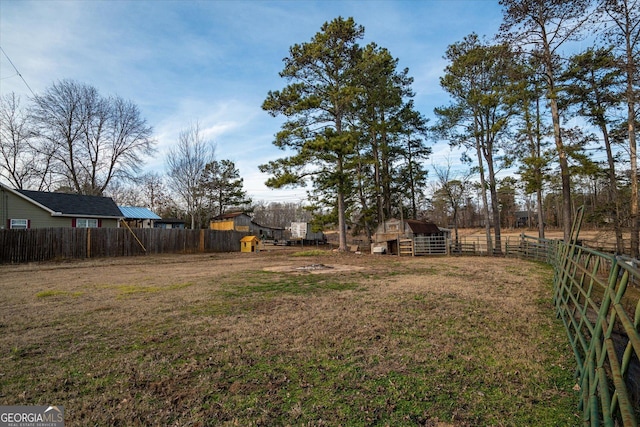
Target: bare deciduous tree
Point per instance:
(453, 188)
(21, 164)
(276, 214)
(186, 164)
(155, 194)
(92, 139)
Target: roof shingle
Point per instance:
(75, 204)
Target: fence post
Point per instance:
(201, 246)
(88, 242)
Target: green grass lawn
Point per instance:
(205, 341)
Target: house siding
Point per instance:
(14, 207)
(17, 208)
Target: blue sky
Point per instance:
(213, 62)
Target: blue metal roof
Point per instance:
(132, 212)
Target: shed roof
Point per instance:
(249, 239)
(74, 204)
(170, 221)
(422, 227)
(228, 215)
(134, 212)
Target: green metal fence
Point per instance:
(598, 299)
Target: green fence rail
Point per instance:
(597, 297)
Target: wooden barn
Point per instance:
(409, 237)
(240, 221)
(236, 221)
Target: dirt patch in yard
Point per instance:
(314, 268)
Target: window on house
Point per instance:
(86, 223)
(19, 224)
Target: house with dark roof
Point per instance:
(22, 209)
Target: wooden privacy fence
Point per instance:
(42, 244)
(597, 297)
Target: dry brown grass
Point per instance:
(221, 340)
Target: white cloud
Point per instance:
(214, 62)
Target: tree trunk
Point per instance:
(485, 201)
(455, 226)
(363, 200)
(540, 215)
(564, 169)
(613, 184)
(386, 170)
(495, 210)
(634, 177)
(342, 227)
(635, 228)
(377, 179)
(412, 184)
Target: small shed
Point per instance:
(249, 244)
(410, 236)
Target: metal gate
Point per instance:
(429, 245)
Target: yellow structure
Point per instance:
(249, 244)
(237, 221)
(222, 225)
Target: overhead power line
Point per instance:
(17, 72)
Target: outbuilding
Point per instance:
(409, 237)
(240, 221)
(249, 244)
(138, 217)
